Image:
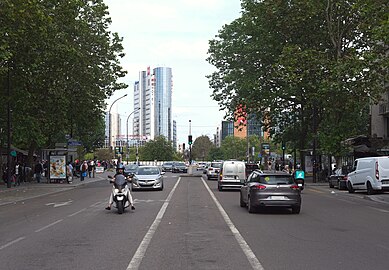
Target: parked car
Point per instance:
(130, 169)
(179, 167)
(148, 177)
(167, 166)
(338, 179)
(213, 170)
(232, 174)
(370, 174)
(270, 189)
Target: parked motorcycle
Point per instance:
(120, 192)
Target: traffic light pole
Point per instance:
(190, 142)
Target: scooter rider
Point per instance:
(299, 174)
(120, 173)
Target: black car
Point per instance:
(179, 167)
(270, 189)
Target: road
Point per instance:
(191, 225)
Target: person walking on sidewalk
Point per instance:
(84, 170)
(18, 169)
(38, 170)
(69, 172)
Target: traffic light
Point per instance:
(183, 146)
(283, 145)
(190, 139)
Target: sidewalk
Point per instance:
(31, 190)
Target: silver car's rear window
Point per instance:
(273, 179)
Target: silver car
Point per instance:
(148, 177)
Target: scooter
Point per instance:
(300, 183)
(299, 176)
(120, 191)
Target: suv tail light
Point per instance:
(258, 186)
(294, 187)
(210, 169)
(377, 173)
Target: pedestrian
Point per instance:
(89, 169)
(69, 172)
(45, 166)
(17, 174)
(84, 170)
(38, 170)
(93, 165)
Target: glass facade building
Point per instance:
(153, 95)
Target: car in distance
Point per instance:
(213, 170)
(232, 175)
(130, 169)
(201, 166)
(270, 189)
(148, 177)
(338, 179)
(167, 166)
(179, 167)
(250, 167)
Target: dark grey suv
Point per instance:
(270, 189)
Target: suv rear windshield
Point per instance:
(272, 179)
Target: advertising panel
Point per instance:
(57, 168)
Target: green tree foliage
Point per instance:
(158, 149)
(63, 63)
(201, 148)
(304, 67)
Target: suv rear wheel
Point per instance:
(250, 207)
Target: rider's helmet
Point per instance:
(120, 169)
(298, 166)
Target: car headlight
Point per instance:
(117, 190)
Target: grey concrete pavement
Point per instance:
(33, 189)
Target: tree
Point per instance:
(63, 63)
(201, 147)
(157, 149)
(304, 68)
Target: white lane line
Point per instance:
(48, 226)
(82, 210)
(141, 251)
(12, 242)
(255, 264)
(378, 209)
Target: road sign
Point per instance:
(74, 143)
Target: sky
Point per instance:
(172, 33)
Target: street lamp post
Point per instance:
(109, 122)
(128, 147)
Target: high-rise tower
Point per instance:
(153, 95)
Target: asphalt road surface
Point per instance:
(191, 225)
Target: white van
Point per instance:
(232, 174)
(371, 174)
